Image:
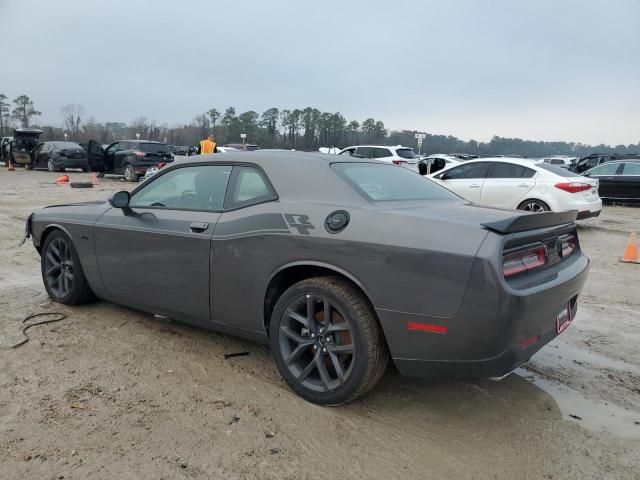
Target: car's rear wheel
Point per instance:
(100, 175)
(62, 273)
(129, 174)
(534, 206)
(28, 166)
(326, 341)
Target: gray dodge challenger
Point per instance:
(338, 264)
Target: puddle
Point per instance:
(570, 366)
(599, 417)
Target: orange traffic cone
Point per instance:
(631, 250)
(94, 178)
(62, 180)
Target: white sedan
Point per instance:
(522, 184)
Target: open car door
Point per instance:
(95, 155)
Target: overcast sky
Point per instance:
(540, 69)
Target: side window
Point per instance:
(201, 187)
(381, 153)
(349, 152)
(111, 149)
(507, 170)
(557, 161)
(605, 169)
(631, 168)
(467, 171)
(528, 172)
(363, 152)
(591, 162)
(122, 146)
(249, 187)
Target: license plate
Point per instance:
(563, 320)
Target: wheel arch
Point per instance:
(48, 230)
(294, 272)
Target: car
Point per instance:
(5, 147)
(619, 180)
(245, 147)
(56, 156)
(130, 158)
(24, 140)
(182, 150)
(522, 184)
(398, 155)
(228, 149)
(337, 263)
(436, 162)
(590, 161)
(561, 161)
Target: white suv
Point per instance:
(398, 155)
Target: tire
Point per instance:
(534, 206)
(62, 272)
(129, 174)
(327, 363)
(28, 166)
(100, 174)
(51, 166)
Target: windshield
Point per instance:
(379, 183)
(405, 153)
(563, 172)
(153, 147)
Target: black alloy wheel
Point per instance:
(326, 341)
(62, 273)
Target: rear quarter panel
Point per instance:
(401, 263)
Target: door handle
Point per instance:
(474, 185)
(523, 185)
(198, 227)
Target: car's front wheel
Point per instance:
(129, 173)
(326, 341)
(62, 273)
(51, 166)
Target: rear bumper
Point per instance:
(71, 163)
(497, 328)
(588, 214)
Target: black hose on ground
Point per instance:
(61, 316)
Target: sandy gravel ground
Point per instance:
(114, 393)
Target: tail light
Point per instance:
(398, 162)
(573, 187)
(162, 164)
(524, 261)
(568, 244)
(139, 154)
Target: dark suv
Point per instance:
(595, 159)
(24, 140)
(130, 158)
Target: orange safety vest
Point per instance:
(207, 147)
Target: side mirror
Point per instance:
(121, 199)
(586, 174)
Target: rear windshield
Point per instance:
(153, 148)
(563, 172)
(379, 183)
(405, 153)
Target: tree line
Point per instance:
(300, 129)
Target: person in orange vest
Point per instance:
(208, 146)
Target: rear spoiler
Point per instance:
(532, 221)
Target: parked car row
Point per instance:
(523, 185)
